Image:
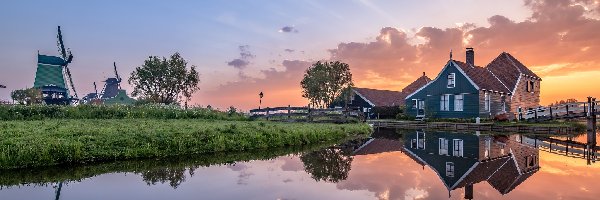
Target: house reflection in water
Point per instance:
(462, 160)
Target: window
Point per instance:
(488, 145)
(443, 146)
(415, 103)
(503, 103)
(459, 102)
(445, 102)
(457, 149)
(530, 161)
(413, 143)
(449, 169)
(487, 101)
(451, 80)
(532, 85)
(420, 140)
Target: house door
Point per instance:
(421, 108)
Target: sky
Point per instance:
(244, 47)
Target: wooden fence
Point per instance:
(562, 111)
(307, 114)
(471, 127)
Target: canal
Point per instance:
(391, 164)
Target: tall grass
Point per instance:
(51, 142)
(40, 112)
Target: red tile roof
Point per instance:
(377, 145)
(414, 86)
(482, 77)
(508, 69)
(382, 97)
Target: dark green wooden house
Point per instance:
(464, 90)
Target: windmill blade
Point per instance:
(61, 45)
(71, 81)
(117, 75)
(95, 89)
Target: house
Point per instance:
(463, 160)
(366, 99)
(464, 90)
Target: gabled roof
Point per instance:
(378, 145)
(482, 77)
(381, 97)
(508, 70)
(414, 86)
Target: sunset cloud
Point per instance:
(558, 39)
(244, 59)
(280, 87)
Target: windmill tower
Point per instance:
(53, 76)
(112, 85)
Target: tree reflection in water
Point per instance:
(331, 164)
(175, 176)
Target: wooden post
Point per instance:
(267, 114)
(551, 116)
(309, 114)
(567, 110)
(289, 112)
(535, 114)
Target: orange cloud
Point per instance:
(558, 41)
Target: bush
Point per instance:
(149, 111)
(388, 112)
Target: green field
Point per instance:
(36, 143)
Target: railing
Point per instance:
(307, 114)
(562, 111)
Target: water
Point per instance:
(393, 164)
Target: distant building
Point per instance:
(462, 160)
(464, 90)
(366, 98)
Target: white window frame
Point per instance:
(449, 169)
(420, 141)
(451, 80)
(459, 102)
(458, 148)
(487, 101)
(488, 147)
(415, 103)
(443, 146)
(445, 102)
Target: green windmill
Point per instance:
(52, 75)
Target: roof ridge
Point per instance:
(498, 79)
(513, 62)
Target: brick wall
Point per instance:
(524, 99)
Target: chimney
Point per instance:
(470, 56)
(423, 73)
(469, 191)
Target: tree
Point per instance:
(27, 96)
(323, 82)
(163, 80)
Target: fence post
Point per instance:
(551, 116)
(289, 112)
(535, 116)
(267, 113)
(567, 110)
(309, 114)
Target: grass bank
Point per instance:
(70, 141)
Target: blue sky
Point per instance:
(208, 33)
